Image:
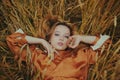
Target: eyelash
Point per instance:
(64, 36)
(56, 34)
(67, 37)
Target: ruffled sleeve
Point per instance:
(103, 40)
(99, 42)
(91, 54)
(15, 41)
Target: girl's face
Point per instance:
(59, 37)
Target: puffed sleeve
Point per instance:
(86, 55)
(15, 41)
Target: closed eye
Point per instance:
(67, 37)
(56, 34)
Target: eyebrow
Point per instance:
(59, 32)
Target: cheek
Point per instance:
(66, 41)
(53, 40)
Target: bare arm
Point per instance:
(30, 39)
(87, 39)
(76, 39)
(35, 40)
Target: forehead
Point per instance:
(62, 28)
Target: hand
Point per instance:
(49, 48)
(74, 41)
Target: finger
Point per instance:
(45, 51)
(69, 40)
(51, 55)
(70, 45)
(73, 46)
(70, 37)
(72, 42)
(56, 52)
(48, 50)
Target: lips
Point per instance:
(60, 43)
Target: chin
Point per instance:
(61, 49)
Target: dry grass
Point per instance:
(90, 17)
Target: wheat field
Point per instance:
(89, 17)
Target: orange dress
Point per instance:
(63, 67)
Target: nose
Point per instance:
(61, 38)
